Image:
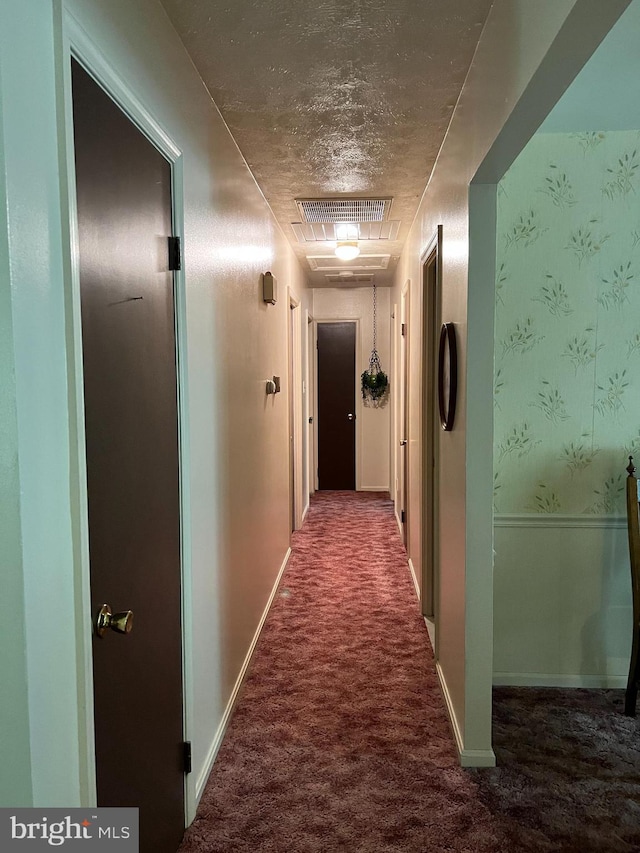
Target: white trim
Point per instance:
(540, 679)
(414, 578)
(536, 519)
(304, 512)
(450, 711)
(296, 403)
(467, 757)
(77, 43)
(431, 246)
(84, 638)
(431, 630)
(374, 489)
(98, 66)
(399, 523)
(201, 780)
(477, 758)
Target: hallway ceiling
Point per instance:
(335, 99)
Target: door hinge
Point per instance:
(186, 756)
(404, 329)
(175, 253)
(403, 516)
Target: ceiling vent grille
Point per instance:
(363, 263)
(351, 279)
(344, 209)
(329, 232)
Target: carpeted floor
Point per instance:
(568, 774)
(340, 741)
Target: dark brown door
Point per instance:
(130, 394)
(336, 406)
(404, 439)
(430, 341)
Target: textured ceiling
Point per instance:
(335, 97)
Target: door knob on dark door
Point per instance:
(351, 417)
(121, 623)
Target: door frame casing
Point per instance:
(358, 402)
(310, 411)
(78, 45)
(296, 412)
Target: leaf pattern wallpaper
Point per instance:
(567, 355)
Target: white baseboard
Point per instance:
(224, 722)
(467, 757)
(542, 679)
(304, 514)
(477, 758)
(414, 579)
(374, 489)
(431, 631)
(452, 714)
(399, 523)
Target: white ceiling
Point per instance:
(331, 98)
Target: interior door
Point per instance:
(130, 394)
(336, 406)
(430, 340)
(404, 415)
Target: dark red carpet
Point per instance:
(340, 741)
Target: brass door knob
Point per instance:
(121, 623)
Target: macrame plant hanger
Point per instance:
(375, 383)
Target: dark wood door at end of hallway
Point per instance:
(336, 405)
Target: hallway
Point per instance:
(287, 133)
(340, 740)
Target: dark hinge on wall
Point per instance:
(404, 329)
(175, 253)
(186, 754)
(403, 516)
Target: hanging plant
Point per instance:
(375, 382)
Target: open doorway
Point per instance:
(566, 411)
(431, 287)
(403, 439)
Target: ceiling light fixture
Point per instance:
(347, 250)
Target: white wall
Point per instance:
(373, 425)
(237, 487)
(527, 54)
(563, 615)
(43, 651)
(15, 780)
